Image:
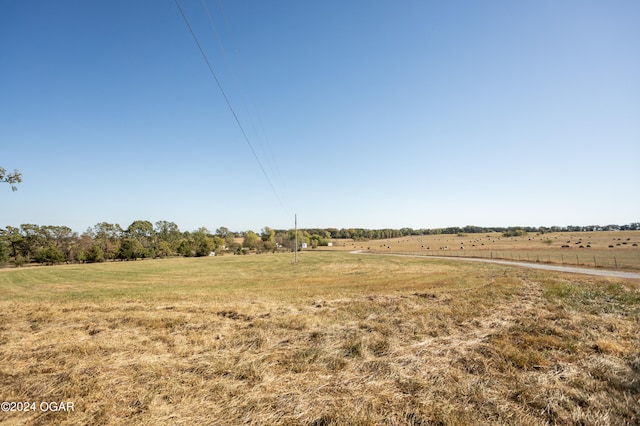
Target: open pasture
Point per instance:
(338, 339)
(606, 249)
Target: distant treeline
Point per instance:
(106, 241)
(375, 234)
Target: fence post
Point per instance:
(562, 258)
(615, 262)
(577, 261)
(594, 262)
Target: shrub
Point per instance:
(50, 255)
(94, 254)
(514, 232)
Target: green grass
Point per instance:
(223, 277)
(595, 298)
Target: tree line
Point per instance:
(374, 234)
(141, 239)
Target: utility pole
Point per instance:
(295, 250)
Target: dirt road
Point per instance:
(571, 269)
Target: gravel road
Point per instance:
(558, 268)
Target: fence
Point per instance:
(626, 260)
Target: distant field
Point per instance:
(607, 249)
(338, 339)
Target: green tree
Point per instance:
(95, 254)
(10, 178)
(17, 243)
(164, 249)
(130, 249)
(142, 231)
(108, 236)
(63, 238)
(186, 245)
(227, 236)
(203, 242)
(251, 240)
(289, 241)
(218, 242)
(4, 251)
(514, 232)
(268, 237)
(50, 244)
(318, 240)
(33, 241)
(85, 242)
(169, 234)
(49, 255)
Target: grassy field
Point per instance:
(338, 339)
(604, 249)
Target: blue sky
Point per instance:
(368, 114)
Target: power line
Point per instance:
(224, 95)
(271, 163)
(263, 143)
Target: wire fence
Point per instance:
(629, 260)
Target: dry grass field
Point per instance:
(338, 339)
(604, 249)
